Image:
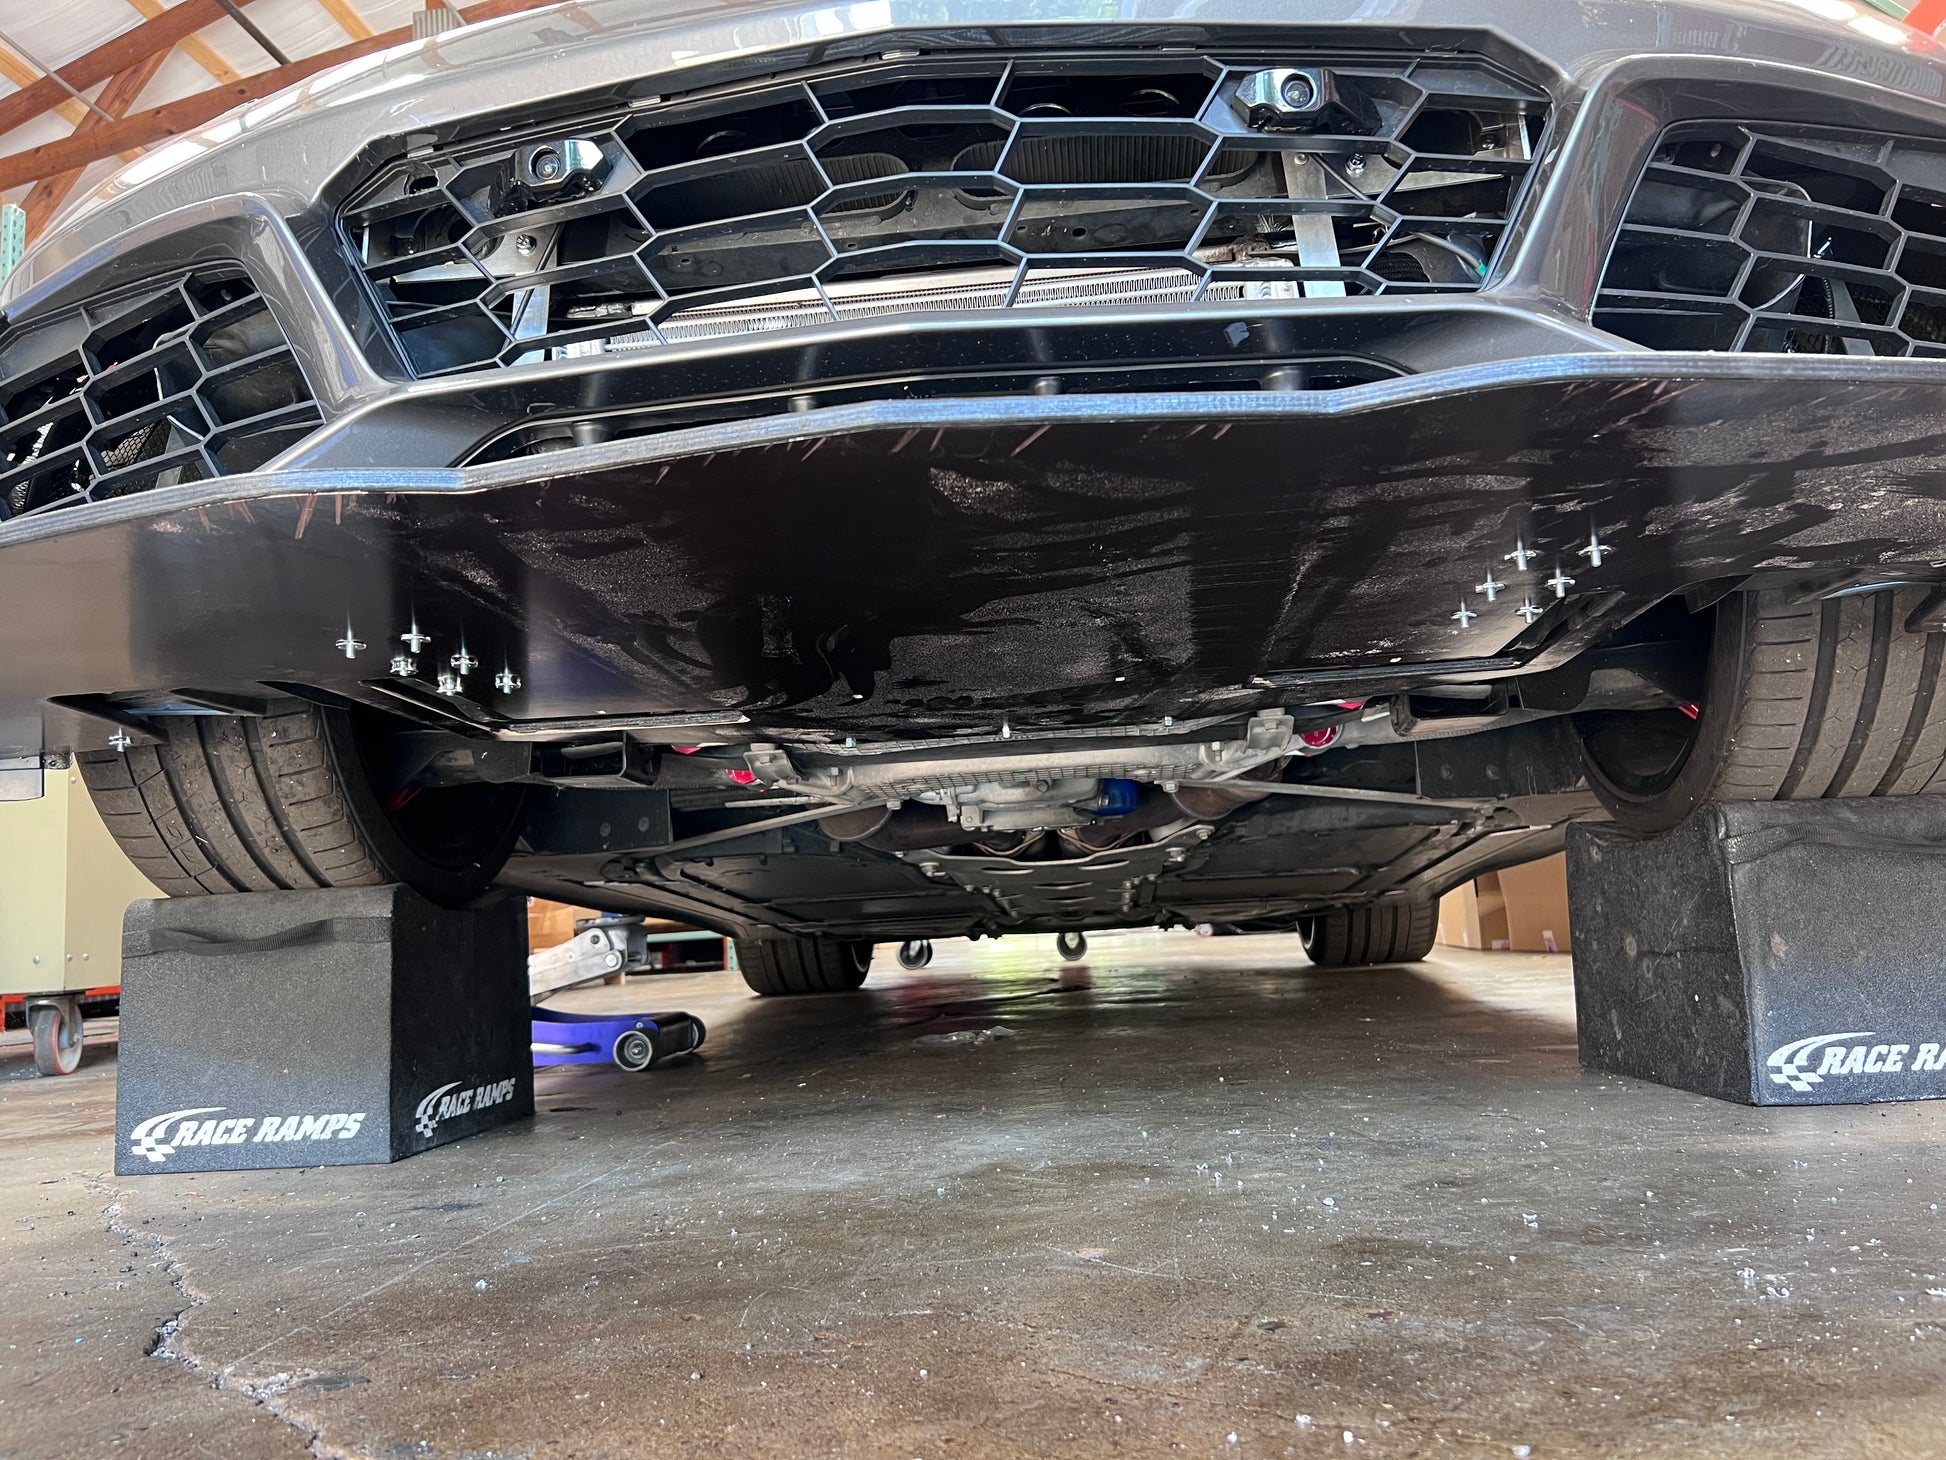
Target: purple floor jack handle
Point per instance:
(633, 1041)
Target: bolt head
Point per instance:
(525, 244)
(404, 666)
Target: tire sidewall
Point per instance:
(451, 884)
(1697, 778)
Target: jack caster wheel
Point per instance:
(1071, 946)
(915, 953)
(634, 1051)
(57, 1039)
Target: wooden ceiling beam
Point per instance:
(349, 20)
(110, 58)
(17, 70)
(144, 129)
(121, 92)
(195, 47)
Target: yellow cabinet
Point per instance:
(64, 885)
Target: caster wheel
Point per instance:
(633, 1051)
(915, 953)
(57, 1040)
(1071, 946)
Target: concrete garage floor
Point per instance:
(1204, 1200)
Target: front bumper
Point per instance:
(877, 526)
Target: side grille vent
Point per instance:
(1800, 241)
(940, 184)
(181, 382)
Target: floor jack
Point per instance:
(601, 950)
(633, 1041)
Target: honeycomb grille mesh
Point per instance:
(1793, 240)
(941, 184)
(180, 382)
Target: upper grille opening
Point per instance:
(179, 382)
(1747, 236)
(943, 183)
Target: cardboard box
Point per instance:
(550, 924)
(1517, 909)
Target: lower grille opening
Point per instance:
(181, 381)
(1752, 237)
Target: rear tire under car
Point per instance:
(285, 800)
(804, 965)
(1804, 699)
(1400, 930)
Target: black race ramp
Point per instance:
(327, 1028)
(1775, 953)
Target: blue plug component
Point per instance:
(1117, 798)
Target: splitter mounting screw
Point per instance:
(1465, 614)
(404, 666)
(1528, 611)
(506, 681)
(350, 645)
(1560, 583)
(1595, 551)
(415, 641)
(1491, 587)
(121, 740)
(464, 662)
(1521, 556)
(449, 682)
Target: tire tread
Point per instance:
(222, 804)
(802, 965)
(1397, 930)
(1836, 697)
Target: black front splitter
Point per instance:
(930, 568)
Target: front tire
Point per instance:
(286, 801)
(1400, 930)
(1804, 699)
(803, 965)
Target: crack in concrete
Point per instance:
(267, 1394)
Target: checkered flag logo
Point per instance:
(1790, 1064)
(150, 1139)
(426, 1120)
